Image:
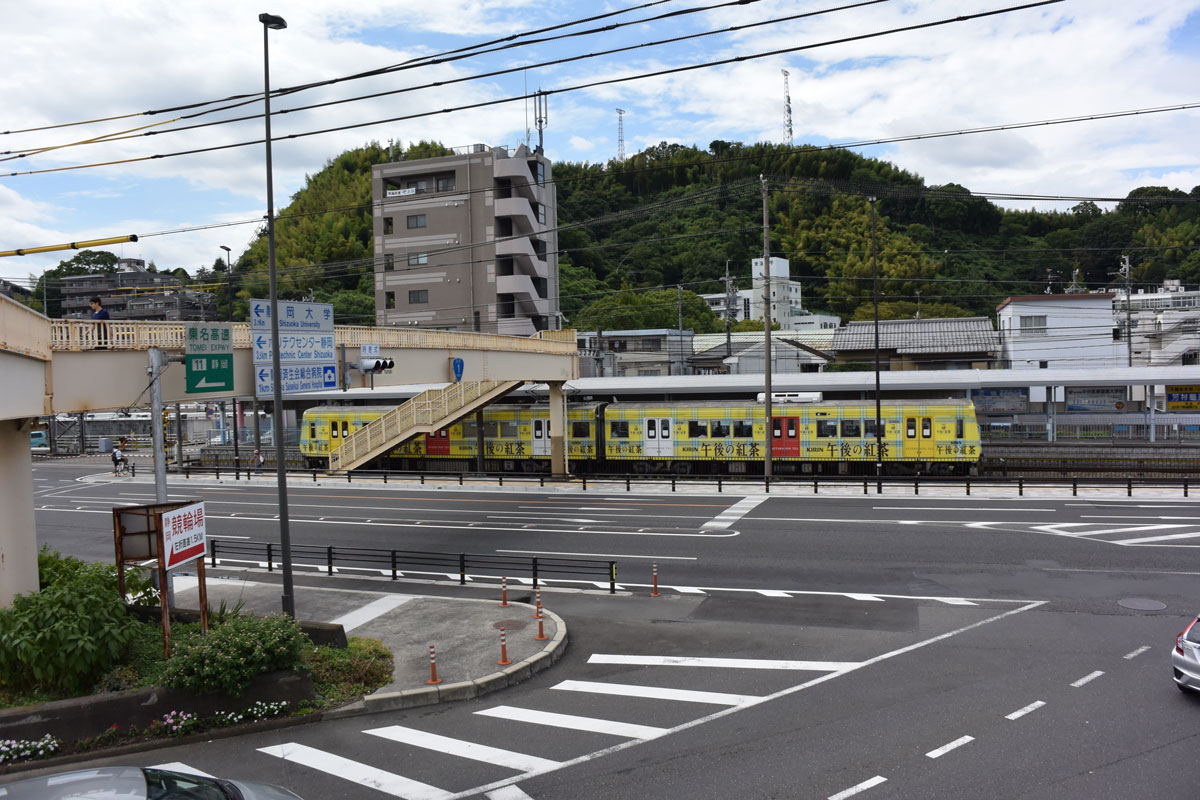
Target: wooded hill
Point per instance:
(674, 215)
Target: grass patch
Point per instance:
(343, 675)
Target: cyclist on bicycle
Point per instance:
(118, 459)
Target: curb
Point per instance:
(464, 690)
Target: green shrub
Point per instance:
(233, 653)
(65, 636)
(345, 673)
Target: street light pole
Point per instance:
(271, 22)
(875, 305)
(768, 407)
(228, 279)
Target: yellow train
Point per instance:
(709, 437)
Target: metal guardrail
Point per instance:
(427, 408)
(75, 334)
(393, 561)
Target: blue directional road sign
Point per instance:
(307, 349)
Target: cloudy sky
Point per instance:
(70, 61)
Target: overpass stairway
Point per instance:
(425, 413)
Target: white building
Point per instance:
(1070, 331)
(1165, 325)
(787, 307)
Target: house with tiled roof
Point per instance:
(906, 344)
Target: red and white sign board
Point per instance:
(183, 535)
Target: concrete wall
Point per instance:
(18, 544)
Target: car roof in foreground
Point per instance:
(101, 783)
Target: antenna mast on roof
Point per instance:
(620, 134)
(541, 115)
(787, 108)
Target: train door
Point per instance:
(541, 438)
(785, 437)
(437, 443)
(656, 438)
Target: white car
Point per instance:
(135, 783)
(1185, 659)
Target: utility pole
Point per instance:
(1126, 273)
(875, 304)
(728, 312)
(768, 409)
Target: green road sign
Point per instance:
(208, 357)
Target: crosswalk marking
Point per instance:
(508, 793)
(362, 774)
(772, 593)
(724, 663)
(573, 722)
(179, 766)
(655, 692)
(464, 749)
(868, 597)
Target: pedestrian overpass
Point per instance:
(70, 366)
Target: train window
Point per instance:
(665, 426)
(910, 427)
(851, 428)
(468, 429)
(651, 429)
(926, 427)
(581, 430)
(792, 428)
(827, 429)
(509, 429)
(443, 433)
(491, 428)
(720, 429)
(312, 430)
(777, 428)
(743, 429)
(619, 429)
(958, 429)
(697, 430)
(537, 429)
(333, 429)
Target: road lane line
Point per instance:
(370, 611)
(463, 749)
(953, 508)
(735, 512)
(1136, 653)
(721, 663)
(860, 787)
(946, 748)
(1087, 678)
(1168, 537)
(590, 724)
(1130, 529)
(1020, 712)
(867, 597)
(362, 774)
(654, 692)
(772, 593)
(598, 555)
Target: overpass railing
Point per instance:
(78, 334)
(23, 330)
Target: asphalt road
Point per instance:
(804, 646)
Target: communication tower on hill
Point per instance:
(787, 108)
(620, 134)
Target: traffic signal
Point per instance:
(373, 366)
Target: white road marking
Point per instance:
(772, 593)
(179, 766)
(370, 611)
(687, 589)
(735, 512)
(1130, 529)
(654, 692)
(1169, 537)
(946, 748)
(577, 520)
(464, 749)
(511, 792)
(859, 787)
(1087, 678)
(721, 663)
(867, 597)
(599, 555)
(1020, 712)
(1137, 652)
(362, 774)
(573, 722)
(954, 508)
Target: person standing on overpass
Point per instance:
(100, 314)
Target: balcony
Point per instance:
(520, 211)
(522, 253)
(518, 172)
(524, 294)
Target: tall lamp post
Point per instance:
(875, 306)
(271, 22)
(228, 279)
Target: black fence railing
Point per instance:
(395, 562)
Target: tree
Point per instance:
(753, 325)
(633, 310)
(85, 262)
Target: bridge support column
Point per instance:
(18, 537)
(558, 426)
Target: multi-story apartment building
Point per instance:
(467, 242)
(1164, 325)
(133, 292)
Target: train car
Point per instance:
(941, 437)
